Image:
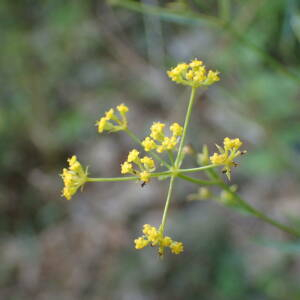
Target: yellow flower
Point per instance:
(227, 155)
(126, 168)
(147, 228)
(148, 163)
(193, 74)
(155, 237)
(74, 177)
(157, 131)
(166, 241)
(176, 129)
(110, 122)
(122, 108)
(164, 143)
(104, 125)
(133, 156)
(176, 247)
(232, 143)
(109, 114)
(145, 166)
(145, 176)
(148, 144)
(218, 159)
(169, 143)
(140, 243)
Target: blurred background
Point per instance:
(63, 64)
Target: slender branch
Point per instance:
(192, 170)
(258, 213)
(178, 160)
(248, 207)
(125, 178)
(198, 181)
(164, 217)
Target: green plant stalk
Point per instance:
(224, 10)
(168, 200)
(179, 157)
(155, 174)
(198, 181)
(128, 178)
(247, 206)
(125, 178)
(258, 213)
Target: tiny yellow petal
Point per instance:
(145, 176)
(176, 129)
(133, 156)
(176, 247)
(126, 168)
(122, 108)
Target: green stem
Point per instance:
(128, 178)
(192, 170)
(133, 136)
(154, 174)
(248, 207)
(164, 217)
(179, 159)
(125, 178)
(224, 10)
(171, 156)
(198, 181)
(258, 213)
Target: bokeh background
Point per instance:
(63, 64)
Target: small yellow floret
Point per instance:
(218, 159)
(166, 241)
(148, 144)
(157, 131)
(133, 156)
(147, 228)
(232, 143)
(145, 176)
(227, 155)
(176, 247)
(193, 74)
(140, 243)
(155, 237)
(176, 129)
(126, 168)
(101, 124)
(122, 108)
(110, 122)
(109, 114)
(73, 178)
(169, 143)
(196, 63)
(148, 162)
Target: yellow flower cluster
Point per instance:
(74, 177)
(193, 74)
(146, 165)
(157, 139)
(154, 237)
(110, 122)
(227, 154)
